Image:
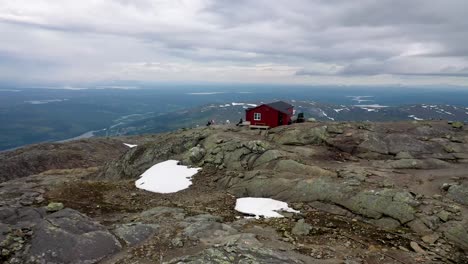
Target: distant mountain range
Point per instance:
(33, 115)
(234, 111)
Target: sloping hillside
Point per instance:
(365, 193)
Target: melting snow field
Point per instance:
(130, 145)
(262, 207)
(166, 177)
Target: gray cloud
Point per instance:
(225, 40)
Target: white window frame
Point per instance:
(257, 116)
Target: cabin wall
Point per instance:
(287, 118)
(269, 116)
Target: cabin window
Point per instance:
(257, 116)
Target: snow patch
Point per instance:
(238, 104)
(369, 109)
(10, 90)
(88, 134)
(371, 106)
(130, 145)
(325, 115)
(37, 102)
(118, 87)
(415, 118)
(442, 111)
(265, 207)
(166, 177)
(116, 125)
(360, 98)
(206, 93)
(70, 88)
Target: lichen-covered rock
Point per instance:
(386, 223)
(257, 146)
(457, 125)
(444, 215)
(419, 227)
(404, 155)
(196, 154)
(458, 233)
(407, 143)
(375, 204)
(374, 143)
(233, 154)
(269, 156)
(154, 213)
(354, 172)
(3, 231)
(301, 228)
(302, 136)
(263, 186)
(166, 146)
(415, 164)
(21, 217)
(54, 207)
(237, 254)
(206, 227)
(38, 158)
(458, 193)
(293, 166)
(135, 233)
(335, 129)
(431, 238)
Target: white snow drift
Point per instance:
(265, 207)
(130, 145)
(166, 177)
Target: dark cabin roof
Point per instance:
(280, 106)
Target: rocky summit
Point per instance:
(366, 192)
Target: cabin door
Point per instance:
(280, 119)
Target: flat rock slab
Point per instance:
(21, 217)
(70, 237)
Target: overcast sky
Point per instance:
(290, 41)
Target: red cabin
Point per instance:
(270, 115)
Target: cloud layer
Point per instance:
(294, 41)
